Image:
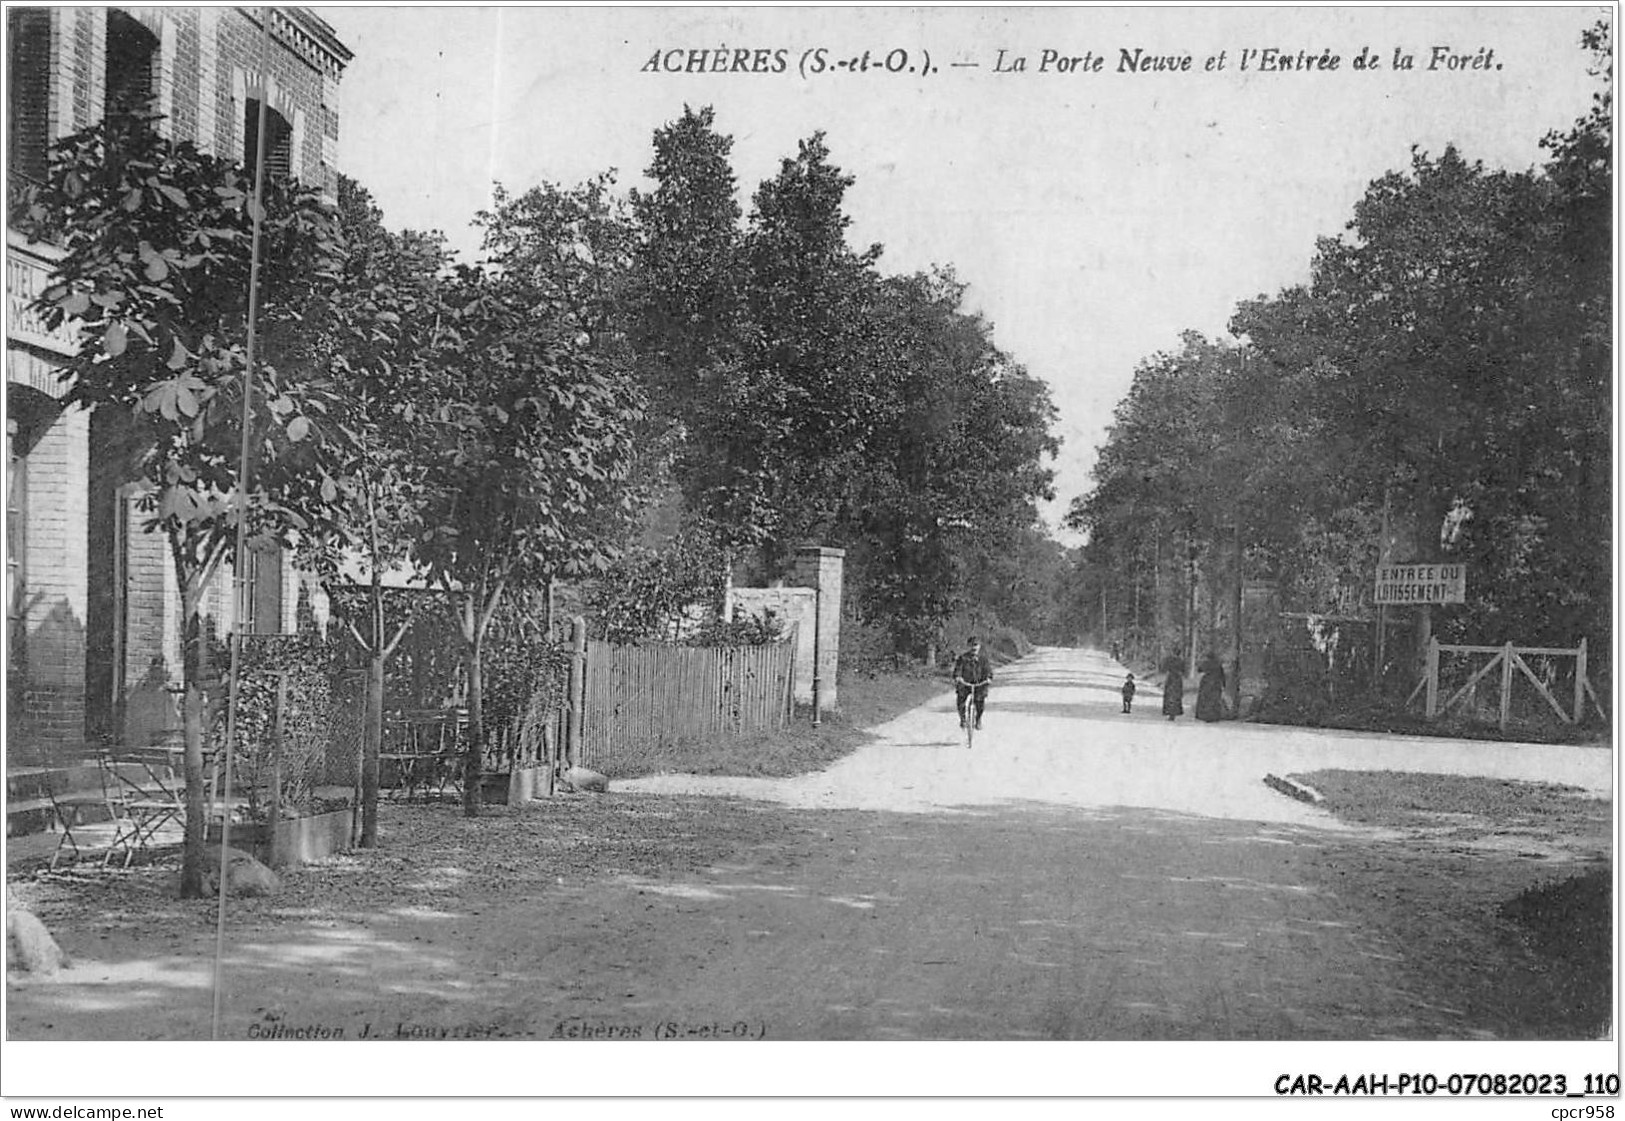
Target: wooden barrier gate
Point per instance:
(645, 695)
(1508, 658)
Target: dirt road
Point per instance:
(1079, 875)
(1055, 734)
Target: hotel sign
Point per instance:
(28, 272)
(1421, 583)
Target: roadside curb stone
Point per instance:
(1292, 789)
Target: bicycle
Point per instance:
(972, 715)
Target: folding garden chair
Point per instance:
(80, 804)
(143, 794)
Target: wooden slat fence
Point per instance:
(642, 696)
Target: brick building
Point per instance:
(93, 617)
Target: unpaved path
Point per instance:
(1055, 733)
(1079, 875)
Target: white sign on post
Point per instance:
(1421, 583)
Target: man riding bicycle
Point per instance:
(973, 673)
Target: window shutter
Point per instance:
(29, 68)
(130, 51)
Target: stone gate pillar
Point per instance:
(820, 569)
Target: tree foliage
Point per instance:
(383, 317)
(813, 398)
(1448, 362)
(531, 439)
(158, 238)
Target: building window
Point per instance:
(263, 594)
(131, 49)
(278, 140)
(28, 59)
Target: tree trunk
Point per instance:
(372, 737)
(192, 719)
(1190, 601)
(372, 726)
(474, 761)
(1135, 638)
(1161, 621)
(1236, 605)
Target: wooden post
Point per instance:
(1381, 655)
(787, 706)
(1424, 629)
(1506, 686)
(1579, 681)
(578, 688)
(1432, 677)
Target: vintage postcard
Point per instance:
(740, 525)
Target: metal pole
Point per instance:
(818, 629)
(256, 216)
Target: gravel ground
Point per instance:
(1079, 875)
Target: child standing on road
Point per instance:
(1128, 692)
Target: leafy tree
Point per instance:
(382, 319)
(532, 438)
(949, 486)
(688, 321)
(1451, 355)
(1209, 454)
(811, 407)
(648, 593)
(157, 238)
(571, 247)
(810, 398)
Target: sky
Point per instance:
(1095, 214)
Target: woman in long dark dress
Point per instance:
(1173, 686)
(1210, 692)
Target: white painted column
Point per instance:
(296, 162)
